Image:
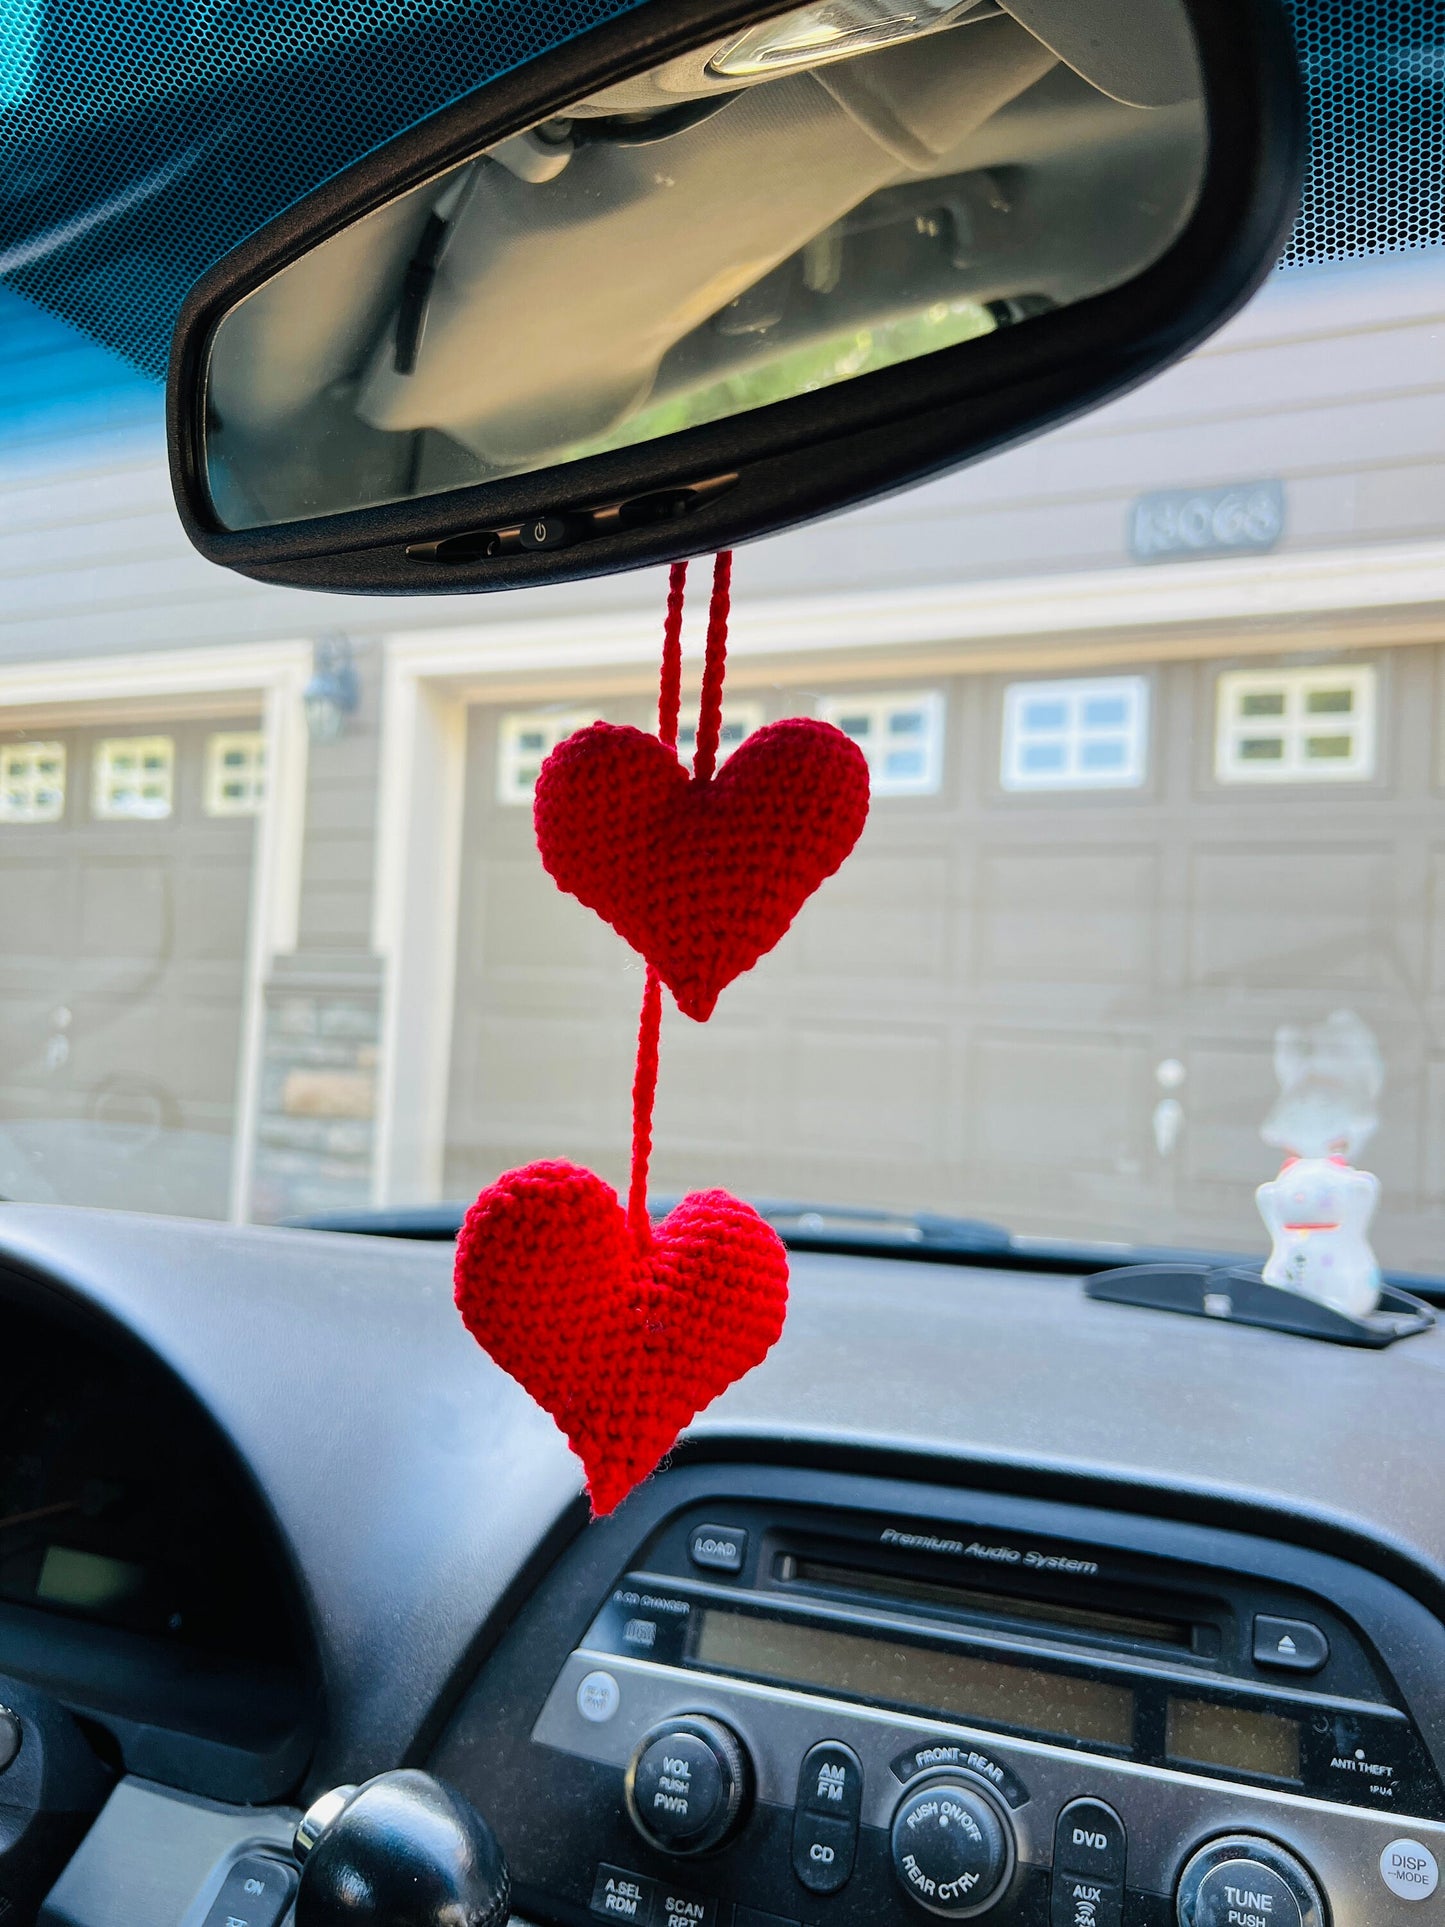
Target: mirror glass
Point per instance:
(849, 185)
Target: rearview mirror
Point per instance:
(716, 268)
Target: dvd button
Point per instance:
(1089, 1839)
(1078, 1900)
(823, 1852)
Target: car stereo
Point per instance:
(784, 1716)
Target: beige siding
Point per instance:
(971, 1015)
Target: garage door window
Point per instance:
(236, 773)
(524, 742)
(738, 723)
(1296, 725)
(902, 737)
(133, 777)
(32, 782)
(1089, 733)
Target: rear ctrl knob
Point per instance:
(953, 1849)
(688, 1784)
(1243, 1881)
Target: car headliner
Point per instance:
(141, 139)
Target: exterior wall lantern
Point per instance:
(334, 691)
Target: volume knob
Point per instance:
(688, 1784)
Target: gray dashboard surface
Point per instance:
(414, 1485)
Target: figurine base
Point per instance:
(1236, 1295)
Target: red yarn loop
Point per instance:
(644, 1092)
(709, 715)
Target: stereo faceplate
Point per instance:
(1166, 1814)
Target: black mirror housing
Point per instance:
(750, 474)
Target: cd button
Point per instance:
(1089, 1839)
(1289, 1645)
(831, 1781)
(823, 1852)
(1079, 1900)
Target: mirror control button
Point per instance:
(1289, 1645)
(823, 1852)
(1089, 1839)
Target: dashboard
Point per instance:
(980, 1599)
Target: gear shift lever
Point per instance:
(401, 1851)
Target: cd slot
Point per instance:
(1019, 1611)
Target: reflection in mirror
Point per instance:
(851, 185)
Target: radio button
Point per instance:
(823, 1852)
(951, 1849)
(831, 1782)
(1241, 1881)
(1089, 1839)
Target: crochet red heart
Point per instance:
(701, 877)
(622, 1343)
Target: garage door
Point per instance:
(1047, 986)
(125, 862)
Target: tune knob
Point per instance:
(688, 1784)
(1243, 1881)
(953, 1849)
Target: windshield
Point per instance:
(1151, 898)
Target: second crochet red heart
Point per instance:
(621, 1337)
(701, 877)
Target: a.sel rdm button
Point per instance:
(718, 1548)
(620, 1895)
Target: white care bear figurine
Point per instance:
(1318, 1212)
(1318, 1209)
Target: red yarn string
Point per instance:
(644, 1090)
(669, 696)
(709, 716)
(709, 727)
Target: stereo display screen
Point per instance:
(1207, 1733)
(869, 1666)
